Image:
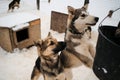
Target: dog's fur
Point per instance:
(13, 4)
(79, 49)
(49, 62)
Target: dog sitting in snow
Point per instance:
(79, 49)
(13, 4)
(49, 62)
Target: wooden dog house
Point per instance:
(19, 30)
(58, 21)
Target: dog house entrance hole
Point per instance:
(22, 35)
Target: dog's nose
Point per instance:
(96, 19)
(63, 44)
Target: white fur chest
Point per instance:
(82, 47)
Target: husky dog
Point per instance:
(49, 62)
(79, 49)
(13, 4)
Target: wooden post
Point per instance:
(49, 1)
(38, 4)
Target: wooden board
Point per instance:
(58, 21)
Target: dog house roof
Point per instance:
(14, 19)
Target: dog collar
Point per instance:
(73, 30)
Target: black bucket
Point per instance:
(107, 60)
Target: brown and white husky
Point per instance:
(79, 49)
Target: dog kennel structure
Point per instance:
(19, 30)
(58, 21)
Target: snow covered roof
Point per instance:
(14, 19)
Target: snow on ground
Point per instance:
(19, 64)
(12, 20)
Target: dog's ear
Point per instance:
(38, 42)
(86, 5)
(49, 35)
(71, 10)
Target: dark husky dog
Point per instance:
(13, 4)
(79, 49)
(48, 63)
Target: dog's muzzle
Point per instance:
(96, 20)
(61, 46)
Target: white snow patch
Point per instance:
(16, 19)
(21, 26)
(17, 65)
(56, 34)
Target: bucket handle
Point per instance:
(109, 15)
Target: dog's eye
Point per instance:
(83, 15)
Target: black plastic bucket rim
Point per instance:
(100, 32)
